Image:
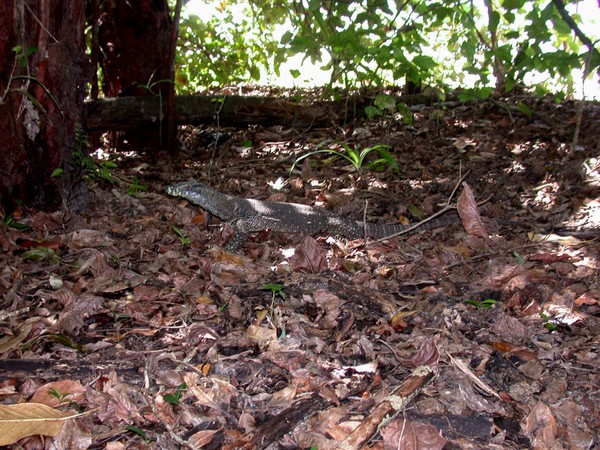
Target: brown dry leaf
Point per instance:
(331, 307)
(202, 438)
(511, 330)
(73, 315)
(72, 436)
(88, 238)
(428, 355)
(70, 389)
(165, 409)
(283, 397)
(469, 215)
(542, 425)
(507, 276)
(411, 435)
(30, 419)
(397, 321)
(121, 405)
(264, 337)
(9, 342)
(309, 257)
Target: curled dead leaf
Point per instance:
(469, 215)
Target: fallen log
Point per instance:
(123, 113)
(126, 113)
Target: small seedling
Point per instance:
(150, 85)
(275, 289)
(382, 104)
(181, 236)
(518, 258)
(488, 303)
(141, 433)
(548, 325)
(136, 187)
(175, 398)
(62, 398)
(9, 222)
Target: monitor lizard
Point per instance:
(248, 215)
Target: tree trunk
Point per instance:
(135, 42)
(42, 83)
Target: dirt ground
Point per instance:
(480, 334)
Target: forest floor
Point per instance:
(131, 313)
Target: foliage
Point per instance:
(40, 253)
(175, 398)
(356, 156)
(30, 104)
(136, 187)
(9, 222)
(384, 104)
(62, 398)
(181, 236)
(275, 289)
(487, 303)
(375, 43)
(223, 50)
(141, 433)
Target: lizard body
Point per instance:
(248, 215)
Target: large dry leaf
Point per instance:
(469, 215)
(541, 424)
(411, 435)
(29, 419)
(309, 257)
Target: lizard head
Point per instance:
(202, 195)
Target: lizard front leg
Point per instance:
(240, 235)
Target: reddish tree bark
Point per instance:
(135, 39)
(42, 81)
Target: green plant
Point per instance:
(181, 236)
(175, 398)
(150, 85)
(496, 44)
(92, 169)
(21, 56)
(62, 398)
(275, 289)
(136, 187)
(382, 104)
(548, 325)
(9, 222)
(488, 303)
(41, 253)
(356, 156)
(141, 433)
(518, 258)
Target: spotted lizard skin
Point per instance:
(248, 215)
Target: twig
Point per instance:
(465, 369)
(40, 23)
(410, 228)
(388, 409)
(365, 238)
(444, 210)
